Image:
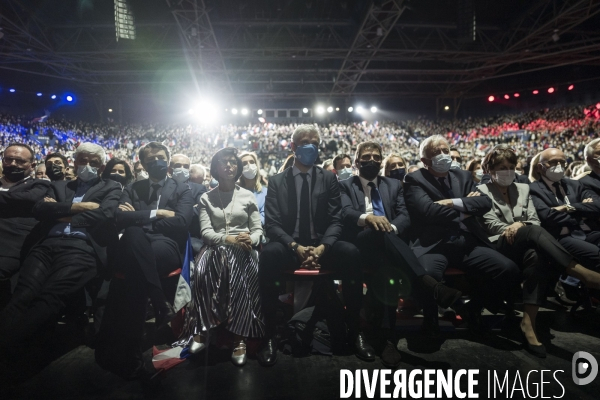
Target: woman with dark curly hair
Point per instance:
(118, 170)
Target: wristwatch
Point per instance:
(294, 246)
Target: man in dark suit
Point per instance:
(442, 203)
(375, 217)
(155, 214)
(303, 220)
(18, 194)
(567, 210)
(179, 169)
(591, 181)
(77, 223)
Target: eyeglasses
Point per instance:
(224, 162)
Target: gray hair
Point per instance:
(429, 143)
(588, 151)
(199, 167)
(91, 148)
(305, 129)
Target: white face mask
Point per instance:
(344, 173)
(86, 172)
(455, 165)
(441, 163)
(249, 171)
(181, 174)
(555, 173)
(479, 174)
(505, 178)
(141, 176)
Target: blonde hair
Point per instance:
(534, 175)
(257, 185)
(387, 160)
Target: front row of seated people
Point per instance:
(502, 233)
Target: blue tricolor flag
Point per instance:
(183, 295)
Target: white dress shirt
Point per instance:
(298, 181)
(368, 204)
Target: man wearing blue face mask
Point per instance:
(442, 203)
(303, 220)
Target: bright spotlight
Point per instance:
(506, 96)
(350, 109)
(535, 91)
(69, 98)
(571, 87)
(190, 111)
(305, 110)
(12, 90)
(551, 90)
(234, 111)
(244, 111)
(259, 112)
(53, 97)
(373, 109)
(329, 109)
(491, 98)
(39, 95)
(516, 95)
(110, 110)
(320, 110)
(337, 109)
(359, 109)
(446, 108)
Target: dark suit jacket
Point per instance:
(174, 196)
(433, 223)
(353, 205)
(552, 220)
(281, 206)
(16, 217)
(98, 223)
(518, 179)
(592, 182)
(197, 192)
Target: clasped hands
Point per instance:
(511, 231)
(76, 208)
(309, 256)
(242, 239)
(160, 213)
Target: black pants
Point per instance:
(9, 275)
(586, 252)
(540, 257)
(342, 257)
(54, 270)
(495, 274)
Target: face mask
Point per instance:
(206, 183)
(399, 173)
(369, 169)
(441, 163)
(479, 174)
(141, 176)
(157, 169)
(181, 174)
(555, 173)
(249, 171)
(213, 183)
(307, 154)
(118, 178)
(86, 172)
(505, 178)
(14, 173)
(56, 173)
(455, 165)
(345, 173)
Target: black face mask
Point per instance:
(14, 173)
(56, 173)
(118, 178)
(157, 169)
(398, 173)
(369, 169)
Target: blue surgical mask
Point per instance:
(307, 154)
(344, 173)
(398, 173)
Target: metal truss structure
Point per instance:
(383, 55)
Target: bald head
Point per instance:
(197, 173)
(552, 164)
(550, 154)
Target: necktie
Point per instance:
(376, 201)
(304, 229)
(154, 195)
(448, 193)
(559, 196)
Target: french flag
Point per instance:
(183, 294)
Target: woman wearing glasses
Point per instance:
(225, 278)
(514, 226)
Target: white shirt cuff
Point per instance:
(362, 220)
(458, 205)
(153, 214)
(394, 228)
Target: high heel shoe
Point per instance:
(538, 351)
(239, 361)
(197, 347)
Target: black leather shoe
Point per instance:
(267, 356)
(390, 356)
(538, 351)
(164, 315)
(364, 351)
(444, 296)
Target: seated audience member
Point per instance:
(56, 164)
(303, 220)
(519, 178)
(572, 169)
(197, 175)
(76, 224)
(441, 203)
(591, 153)
(520, 170)
(328, 165)
(225, 279)
(394, 167)
(139, 171)
(289, 161)
(474, 167)
(513, 225)
(155, 214)
(342, 166)
(18, 194)
(70, 173)
(567, 210)
(118, 171)
(375, 216)
(412, 168)
(40, 172)
(250, 180)
(456, 158)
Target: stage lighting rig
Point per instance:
(124, 21)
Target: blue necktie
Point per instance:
(376, 201)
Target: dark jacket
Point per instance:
(98, 223)
(591, 182)
(16, 216)
(553, 221)
(433, 223)
(281, 207)
(353, 205)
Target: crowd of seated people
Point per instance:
(116, 231)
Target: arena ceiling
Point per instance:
(276, 49)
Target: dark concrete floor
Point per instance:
(71, 373)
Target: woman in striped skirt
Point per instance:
(225, 277)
